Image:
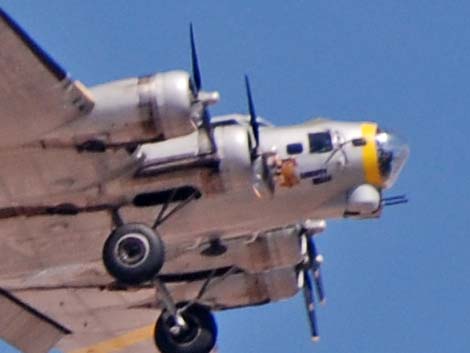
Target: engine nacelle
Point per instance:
(143, 108)
(169, 101)
(233, 148)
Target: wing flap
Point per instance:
(102, 321)
(36, 96)
(26, 328)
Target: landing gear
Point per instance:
(133, 253)
(196, 333)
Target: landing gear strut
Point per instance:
(187, 327)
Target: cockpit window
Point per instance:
(320, 142)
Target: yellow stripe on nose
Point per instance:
(369, 155)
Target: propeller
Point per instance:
(311, 268)
(195, 62)
(264, 164)
(310, 305)
(202, 99)
(316, 260)
(253, 118)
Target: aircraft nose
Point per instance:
(392, 153)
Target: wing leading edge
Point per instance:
(36, 95)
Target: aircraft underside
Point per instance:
(127, 213)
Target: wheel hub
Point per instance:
(184, 333)
(132, 249)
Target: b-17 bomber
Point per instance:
(128, 214)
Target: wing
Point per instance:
(104, 321)
(101, 321)
(36, 96)
(72, 288)
(26, 328)
(36, 177)
(67, 286)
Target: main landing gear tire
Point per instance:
(133, 253)
(199, 336)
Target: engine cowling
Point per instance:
(169, 100)
(144, 108)
(233, 147)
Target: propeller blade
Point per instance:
(268, 175)
(206, 120)
(310, 305)
(319, 286)
(195, 62)
(203, 99)
(251, 107)
(315, 263)
(206, 124)
(264, 183)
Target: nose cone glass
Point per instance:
(393, 152)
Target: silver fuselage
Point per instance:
(232, 207)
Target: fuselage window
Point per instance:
(294, 148)
(320, 142)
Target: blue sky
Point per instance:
(398, 284)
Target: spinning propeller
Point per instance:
(263, 163)
(253, 119)
(202, 99)
(311, 267)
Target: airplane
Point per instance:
(126, 201)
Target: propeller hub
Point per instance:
(208, 98)
(319, 259)
(313, 227)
